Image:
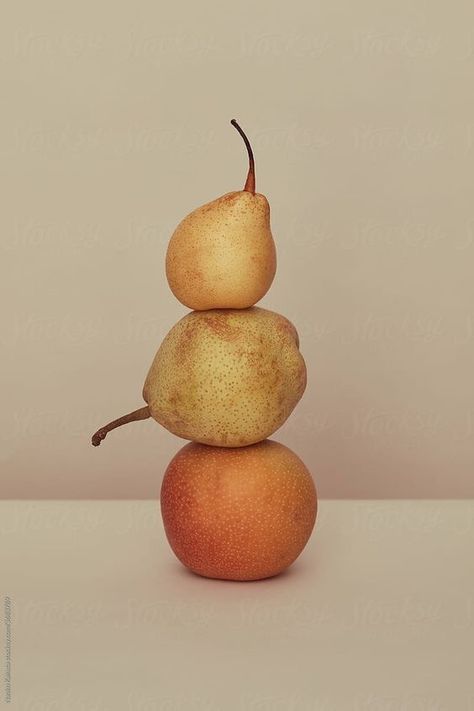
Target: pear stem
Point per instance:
(250, 182)
(142, 414)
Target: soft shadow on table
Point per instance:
(297, 570)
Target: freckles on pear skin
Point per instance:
(239, 514)
(226, 377)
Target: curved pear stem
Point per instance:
(250, 182)
(142, 414)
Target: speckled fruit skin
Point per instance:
(222, 255)
(238, 514)
(226, 377)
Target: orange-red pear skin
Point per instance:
(242, 513)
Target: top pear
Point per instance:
(222, 255)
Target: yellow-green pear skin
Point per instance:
(226, 377)
(223, 255)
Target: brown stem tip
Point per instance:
(142, 414)
(250, 182)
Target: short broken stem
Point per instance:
(142, 414)
(250, 182)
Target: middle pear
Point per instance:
(226, 377)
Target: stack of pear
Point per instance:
(234, 504)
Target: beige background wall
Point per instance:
(114, 125)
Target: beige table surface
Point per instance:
(376, 615)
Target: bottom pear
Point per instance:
(242, 513)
